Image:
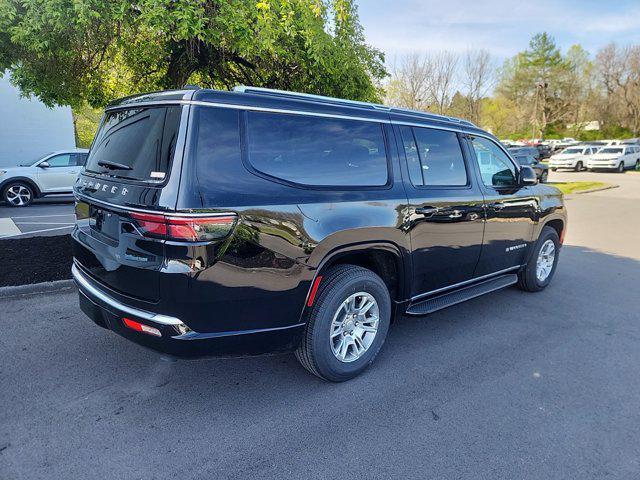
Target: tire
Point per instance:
(620, 168)
(18, 194)
(316, 350)
(528, 279)
(578, 167)
(544, 177)
(554, 169)
(637, 167)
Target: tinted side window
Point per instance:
(64, 160)
(496, 168)
(441, 157)
(215, 142)
(317, 151)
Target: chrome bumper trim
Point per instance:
(86, 285)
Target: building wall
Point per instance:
(28, 129)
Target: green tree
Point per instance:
(75, 51)
(540, 81)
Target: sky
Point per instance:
(501, 26)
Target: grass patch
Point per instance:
(573, 187)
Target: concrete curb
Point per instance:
(591, 190)
(36, 288)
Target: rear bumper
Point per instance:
(176, 338)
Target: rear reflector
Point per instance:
(184, 229)
(141, 327)
(562, 235)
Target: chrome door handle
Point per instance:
(497, 205)
(456, 214)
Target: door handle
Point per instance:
(455, 214)
(497, 205)
(427, 211)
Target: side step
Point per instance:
(431, 305)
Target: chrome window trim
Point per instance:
(293, 112)
(233, 106)
(84, 283)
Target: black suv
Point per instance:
(258, 220)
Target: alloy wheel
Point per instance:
(545, 260)
(354, 327)
(18, 195)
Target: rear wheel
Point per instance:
(539, 271)
(18, 194)
(347, 325)
(578, 167)
(554, 169)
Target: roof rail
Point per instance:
(436, 116)
(308, 96)
(340, 101)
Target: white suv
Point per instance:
(53, 174)
(575, 158)
(618, 158)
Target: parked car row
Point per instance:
(594, 157)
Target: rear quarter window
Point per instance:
(317, 151)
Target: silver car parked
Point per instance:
(52, 174)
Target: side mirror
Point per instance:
(43, 164)
(528, 176)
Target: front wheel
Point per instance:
(578, 167)
(539, 271)
(347, 324)
(620, 168)
(544, 177)
(553, 169)
(18, 194)
(637, 164)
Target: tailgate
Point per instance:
(111, 251)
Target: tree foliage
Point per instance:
(71, 51)
(540, 91)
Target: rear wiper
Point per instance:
(114, 165)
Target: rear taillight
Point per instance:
(186, 228)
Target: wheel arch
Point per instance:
(27, 180)
(385, 259)
(558, 224)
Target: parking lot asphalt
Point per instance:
(47, 217)
(509, 385)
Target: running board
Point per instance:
(431, 305)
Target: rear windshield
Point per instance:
(611, 150)
(136, 144)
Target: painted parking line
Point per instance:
(47, 216)
(19, 234)
(44, 223)
(8, 228)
